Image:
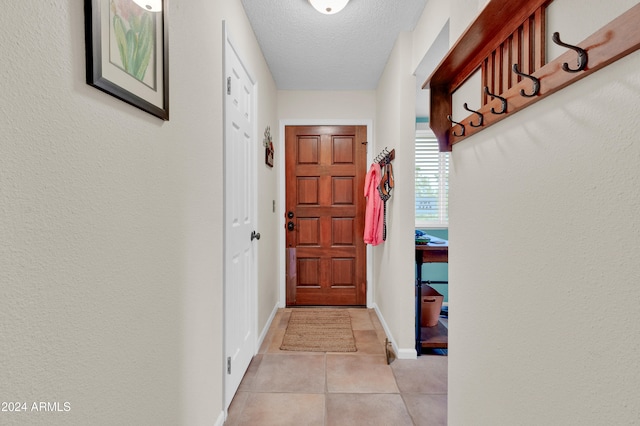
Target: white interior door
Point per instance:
(240, 246)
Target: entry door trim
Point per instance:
(282, 199)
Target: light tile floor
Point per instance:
(357, 388)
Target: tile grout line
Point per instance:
(365, 324)
(325, 412)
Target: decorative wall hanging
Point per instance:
(268, 147)
(127, 51)
(386, 185)
(507, 45)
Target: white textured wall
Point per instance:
(394, 260)
(462, 13)
(110, 224)
(434, 17)
(544, 232)
(312, 105)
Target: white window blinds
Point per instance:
(432, 182)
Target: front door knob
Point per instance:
(290, 226)
(255, 235)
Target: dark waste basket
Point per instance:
(431, 305)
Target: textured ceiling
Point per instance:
(307, 50)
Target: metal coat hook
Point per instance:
(380, 157)
(502, 100)
(536, 83)
(480, 116)
(459, 124)
(582, 54)
(385, 156)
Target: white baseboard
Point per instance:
(407, 354)
(220, 420)
(265, 329)
(402, 353)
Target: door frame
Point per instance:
(282, 199)
(228, 43)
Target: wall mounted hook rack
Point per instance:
(519, 39)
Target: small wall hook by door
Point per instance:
(382, 155)
(582, 54)
(502, 100)
(535, 80)
(479, 114)
(459, 124)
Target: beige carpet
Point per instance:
(319, 330)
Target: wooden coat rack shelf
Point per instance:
(507, 44)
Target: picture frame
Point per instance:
(268, 156)
(268, 147)
(127, 53)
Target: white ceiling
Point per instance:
(307, 50)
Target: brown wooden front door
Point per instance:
(324, 220)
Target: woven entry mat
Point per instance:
(319, 330)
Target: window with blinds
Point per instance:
(432, 182)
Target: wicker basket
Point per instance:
(431, 306)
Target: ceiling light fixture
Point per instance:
(150, 5)
(328, 7)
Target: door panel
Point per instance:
(326, 256)
(239, 222)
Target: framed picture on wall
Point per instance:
(268, 147)
(127, 51)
